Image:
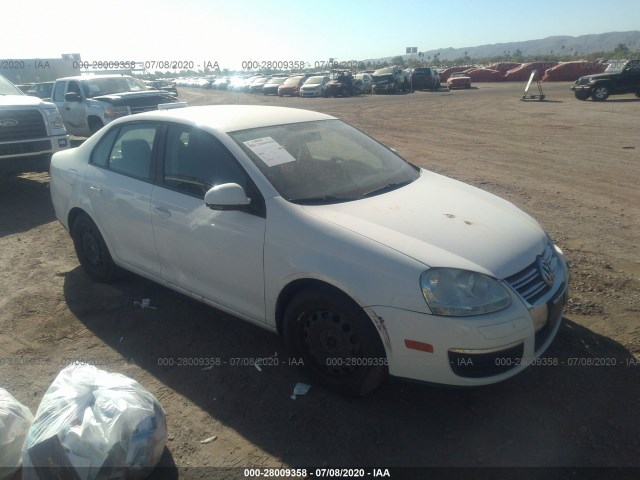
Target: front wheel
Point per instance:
(337, 342)
(95, 125)
(582, 95)
(92, 250)
(600, 93)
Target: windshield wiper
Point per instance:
(324, 200)
(387, 188)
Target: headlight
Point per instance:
(55, 120)
(455, 292)
(115, 112)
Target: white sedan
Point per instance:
(304, 225)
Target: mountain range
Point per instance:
(559, 45)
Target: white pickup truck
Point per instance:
(28, 125)
(87, 103)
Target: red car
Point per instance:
(291, 86)
(458, 80)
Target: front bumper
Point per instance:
(39, 146)
(387, 87)
(581, 88)
(310, 93)
(473, 351)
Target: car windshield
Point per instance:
(459, 74)
(292, 80)
(326, 161)
(314, 81)
(94, 87)
(7, 88)
(259, 80)
(382, 78)
(276, 81)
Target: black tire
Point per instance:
(92, 251)
(582, 95)
(600, 93)
(337, 342)
(95, 125)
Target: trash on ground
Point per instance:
(299, 390)
(208, 368)
(258, 367)
(209, 440)
(15, 420)
(104, 425)
(144, 303)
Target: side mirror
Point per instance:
(72, 97)
(227, 196)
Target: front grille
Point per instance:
(8, 149)
(21, 125)
(479, 365)
(529, 282)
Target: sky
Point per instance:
(231, 32)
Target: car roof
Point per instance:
(230, 118)
(89, 77)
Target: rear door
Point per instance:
(119, 183)
(629, 79)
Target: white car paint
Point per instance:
(374, 249)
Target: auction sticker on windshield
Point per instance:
(269, 151)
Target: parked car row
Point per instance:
(392, 79)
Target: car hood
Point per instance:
(23, 101)
(442, 222)
(124, 98)
(598, 76)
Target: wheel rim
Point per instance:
(601, 92)
(92, 249)
(327, 335)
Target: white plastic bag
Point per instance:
(93, 424)
(15, 420)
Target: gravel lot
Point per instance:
(572, 165)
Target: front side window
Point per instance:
(131, 152)
(195, 161)
(326, 161)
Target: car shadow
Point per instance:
(583, 392)
(19, 193)
(619, 100)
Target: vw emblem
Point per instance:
(10, 122)
(545, 270)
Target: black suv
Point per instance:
(619, 78)
(424, 78)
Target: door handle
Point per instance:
(162, 212)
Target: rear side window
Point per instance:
(131, 152)
(100, 154)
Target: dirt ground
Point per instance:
(574, 166)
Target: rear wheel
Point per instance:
(92, 250)
(600, 93)
(337, 342)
